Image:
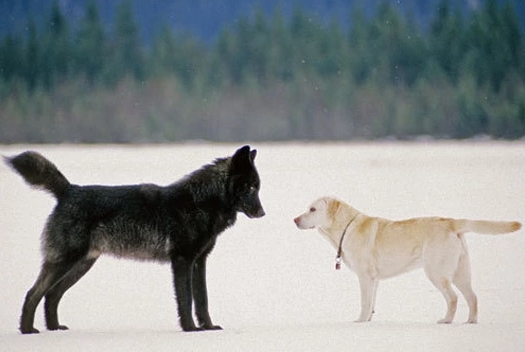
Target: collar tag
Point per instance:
(338, 260)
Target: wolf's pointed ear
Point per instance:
(253, 154)
(241, 157)
(242, 153)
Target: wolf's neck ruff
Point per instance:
(338, 258)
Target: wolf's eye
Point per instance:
(252, 189)
(312, 209)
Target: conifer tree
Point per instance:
(90, 44)
(56, 57)
(32, 56)
(127, 55)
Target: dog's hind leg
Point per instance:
(56, 292)
(462, 280)
(50, 274)
(445, 287)
(200, 295)
(441, 278)
(440, 262)
(182, 271)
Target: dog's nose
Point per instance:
(296, 220)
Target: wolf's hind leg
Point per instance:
(56, 292)
(50, 275)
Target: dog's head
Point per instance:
(320, 213)
(245, 183)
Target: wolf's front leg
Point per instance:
(182, 271)
(200, 295)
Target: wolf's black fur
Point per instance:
(178, 223)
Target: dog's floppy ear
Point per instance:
(333, 207)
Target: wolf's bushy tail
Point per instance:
(39, 172)
(486, 227)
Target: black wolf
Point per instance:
(178, 223)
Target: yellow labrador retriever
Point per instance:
(376, 249)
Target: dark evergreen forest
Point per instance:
(266, 77)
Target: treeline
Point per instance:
(266, 78)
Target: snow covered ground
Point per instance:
(273, 287)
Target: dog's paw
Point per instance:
(361, 320)
(444, 321)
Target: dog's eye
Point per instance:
(312, 209)
(252, 189)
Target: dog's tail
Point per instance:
(486, 227)
(39, 172)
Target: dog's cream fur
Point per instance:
(376, 249)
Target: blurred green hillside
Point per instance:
(266, 78)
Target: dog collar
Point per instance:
(338, 258)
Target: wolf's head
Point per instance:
(245, 183)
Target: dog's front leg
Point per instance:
(368, 286)
(182, 271)
(200, 295)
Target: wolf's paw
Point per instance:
(30, 330)
(58, 327)
(212, 327)
(192, 329)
